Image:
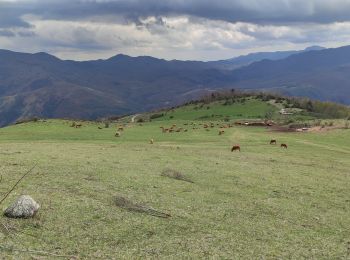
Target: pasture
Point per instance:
(264, 202)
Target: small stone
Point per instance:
(23, 207)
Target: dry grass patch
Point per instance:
(129, 205)
(170, 173)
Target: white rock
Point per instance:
(23, 207)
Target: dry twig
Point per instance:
(14, 186)
(127, 204)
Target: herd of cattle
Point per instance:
(207, 127)
(175, 129)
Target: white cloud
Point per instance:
(187, 32)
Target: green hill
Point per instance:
(263, 201)
(235, 106)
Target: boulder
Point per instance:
(23, 207)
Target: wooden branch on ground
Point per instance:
(14, 186)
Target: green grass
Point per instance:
(265, 202)
(251, 108)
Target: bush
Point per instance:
(154, 116)
(27, 120)
(318, 123)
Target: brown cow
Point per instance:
(236, 148)
(284, 146)
(273, 141)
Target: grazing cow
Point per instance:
(117, 134)
(78, 125)
(284, 146)
(273, 141)
(221, 132)
(99, 127)
(121, 129)
(236, 148)
(151, 141)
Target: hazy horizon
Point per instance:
(135, 56)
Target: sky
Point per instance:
(171, 29)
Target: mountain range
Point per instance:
(42, 85)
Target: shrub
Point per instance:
(318, 123)
(154, 116)
(27, 120)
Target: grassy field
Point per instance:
(261, 203)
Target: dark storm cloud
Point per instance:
(6, 33)
(10, 15)
(254, 11)
(195, 29)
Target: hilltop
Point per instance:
(241, 106)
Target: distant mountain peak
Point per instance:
(314, 48)
(119, 57)
(45, 55)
